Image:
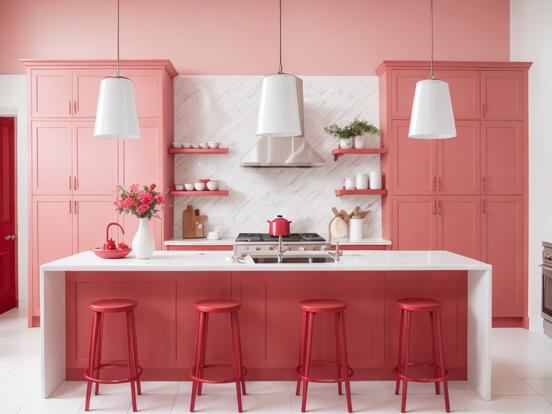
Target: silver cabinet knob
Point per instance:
(9, 237)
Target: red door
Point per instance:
(8, 295)
(414, 223)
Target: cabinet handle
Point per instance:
(75, 209)
(70, 207)
(69, 107)
(75, 183)
(434, 209)
(69, 182)
(483, 183)
(439, 184)
(75, 109)
(483, 207)
(484, 109)
(439, 208)
(434, 183)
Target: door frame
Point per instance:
(13, 115)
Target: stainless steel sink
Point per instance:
(294, 259)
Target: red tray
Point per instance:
(111, 254)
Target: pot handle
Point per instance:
(112, 224)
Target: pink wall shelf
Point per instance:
(199, 150)
(338, 152)
(219, 193)
(343, 192)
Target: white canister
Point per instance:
(349, 183)
(345, 143)
(361, 182)
(359, 142)
(356, 226)
(375, 180)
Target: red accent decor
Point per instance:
(111, 254)
(343, 192)
(309, 309)
(92, 374)
(205, 307)
(338, 152)
(221, 193)
(440, 373)
(199, 150)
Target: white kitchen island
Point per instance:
(354, 264)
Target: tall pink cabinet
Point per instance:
(467, 194)
(73, 174)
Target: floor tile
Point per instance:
(531, 371)
(513, 386)
(543, 387)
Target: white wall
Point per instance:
(530, 40)
(13, 102)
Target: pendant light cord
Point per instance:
(280, 67)
(431, 25)
(118, 22)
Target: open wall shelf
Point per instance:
(342, 192)
(206, 193)
(199, 151)
(338, 152)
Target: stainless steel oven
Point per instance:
(547, 287)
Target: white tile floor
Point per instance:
(522, 383)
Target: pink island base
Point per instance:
(269, 318)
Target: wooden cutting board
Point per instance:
(193, 224)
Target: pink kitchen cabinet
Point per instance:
(503, 95)
(502, 241)
(459, 225)
(414, 223)
(136, 162)
(148, 88)
(91, 214)
(51, 93)
(503, 169)
(51, 155)
(86, 88)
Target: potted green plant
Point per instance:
(356, 131)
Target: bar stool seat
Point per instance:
(418, 304)
(113, 305)
(322, 305)
(216, 305)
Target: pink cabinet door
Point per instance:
(51, 93)
(502, 95)
(95, 161)
(460, 161)
(91, 216)
(502, 157)
(465, 92)
(414, 223)
(86, 87)
(51, 158)
(502, 247)
(52, 237)
(141, 159)
(403, 85)
(147, 89)
(415, 162)
(459, 225)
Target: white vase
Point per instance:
(359, 142)
(345, 143)
(143, 243)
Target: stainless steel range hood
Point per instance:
(282, 152)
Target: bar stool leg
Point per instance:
(199, 343)
(203, 352)
(237, 359)
(98, 362)
(135, 351)
(406, 359)
(131, 361)
(307, 360)
(345, 362)
(399, 363)
(241, 356)
(434, 347)
(91, 355)
(301, 352)
(442, 359)
(338, 356)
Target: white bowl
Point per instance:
(177, 145)
(179, 187)
(203, 145)
(189, 187)
(212, 185)
(213, 145)
(195, 145)
(186, 145)
(199, 186)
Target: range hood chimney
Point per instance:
(282, 152)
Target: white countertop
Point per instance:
(221, 261)
(230, 241)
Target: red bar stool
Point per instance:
(407, 308)
(92, 374)
(206, 307)
(309, 309)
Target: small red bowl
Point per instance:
(204, 180)
(111, 254)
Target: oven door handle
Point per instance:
(546, 267)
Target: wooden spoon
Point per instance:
(335, 211)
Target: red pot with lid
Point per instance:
(279, 227)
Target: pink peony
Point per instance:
(152, 186)
(159, 198)
(128, 202)
(119, 203)
(145, 197)
(133, 188)
(142, 208)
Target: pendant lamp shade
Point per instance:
(280, 106)
(432, 115)
(116, 115)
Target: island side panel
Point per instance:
(270, 318)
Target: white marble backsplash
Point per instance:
(224, 109)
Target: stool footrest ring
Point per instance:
(322, 380)
(212, 381)
(400, 374)
(90, 377)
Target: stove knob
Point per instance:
(271, 248)
(258, 249)
(301, 248)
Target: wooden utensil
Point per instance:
(335, 211)
(193, 224)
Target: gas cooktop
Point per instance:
(292, 238)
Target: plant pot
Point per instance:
(359, 142)
(143, 243)
(345, 143)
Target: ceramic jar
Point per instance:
(345, 143)
(143, 243)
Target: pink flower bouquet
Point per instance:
(142, 202)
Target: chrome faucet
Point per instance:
(337, 253)
(281, 249)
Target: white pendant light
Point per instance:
(116, 115)
(281, 102)
(432, 116)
